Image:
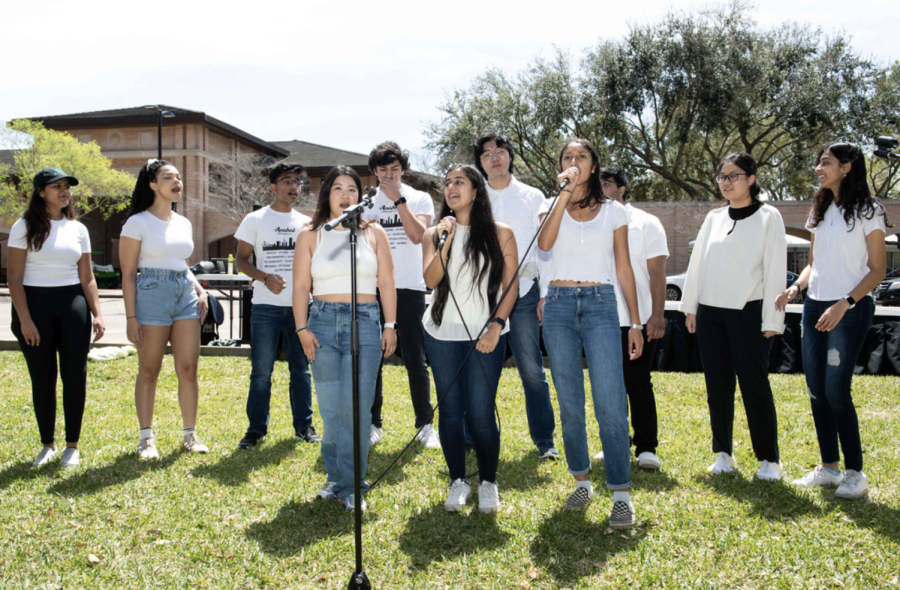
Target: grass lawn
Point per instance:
(248, 519)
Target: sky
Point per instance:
(343, 74)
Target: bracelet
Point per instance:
(128, 317)
(300, 329)
(265, 278)
(796, 284)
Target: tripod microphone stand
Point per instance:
(350, 219)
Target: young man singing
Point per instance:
(271, 234)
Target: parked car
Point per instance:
(888, 292)
(675, 287)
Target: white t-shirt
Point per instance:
(164, 244)
(408, 271)
(646, 240)
(273, 236)
(519, 206)
(56, 263)
(840, 257)
(584, 249)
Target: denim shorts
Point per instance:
(165, 296)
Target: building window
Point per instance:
(146, 138)
(115, 140)
(84, 137)
(893, 265)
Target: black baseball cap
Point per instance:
(48, 175)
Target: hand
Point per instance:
(388, 341)
(99, 327)
(656, 327)
(203, 304)
(635, 343)
(447, 224)
(30, 333)
(488, 342)
(275, 283)
(310, 343)
(832, 316)
(782, 300)
(540, 311)
(691, 323)
(769, 333)
(133, 332)
(572, 174)
(390, 187)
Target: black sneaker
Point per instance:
(309, 435)
(250, 440)
(622, 516)
(580, 498)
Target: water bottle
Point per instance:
(231, 264)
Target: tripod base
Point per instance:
(359, 581)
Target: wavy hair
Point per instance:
(37, 219)
(142, 196)
(483, 254)
(323, 203)
(594, 194)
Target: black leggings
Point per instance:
(63, 322)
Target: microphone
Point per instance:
(566, 180)
(444, 235)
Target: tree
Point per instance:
(34, 147)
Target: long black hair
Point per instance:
(142, 196)
(37, 219)
(854, 196)
(747, 163)
(323, 204)
(482, 251)
(595, 194)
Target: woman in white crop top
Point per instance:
(846, 262)
(164, 303)
(468, 274)
(322, 268)
(588, 235)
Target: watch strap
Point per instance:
(391, 325)
(500, 321)
(850, 300)
(400, 201)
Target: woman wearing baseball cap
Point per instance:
(54, 294)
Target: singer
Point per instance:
(580, 315)
(468, 261)
(322, 266)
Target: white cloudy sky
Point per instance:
(345, 74)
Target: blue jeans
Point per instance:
(470, 400)
(333, 375)
(267, 323)
(525, 341)
(585, 319)
(828, 361)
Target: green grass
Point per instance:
(247, 519)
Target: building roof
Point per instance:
(141, 116)
(314, 156)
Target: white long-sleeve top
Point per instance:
(730, 270)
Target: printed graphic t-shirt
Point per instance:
(273, 236)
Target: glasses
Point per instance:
(733, 177)
(290, 182)
(499, 154)
(607, 184)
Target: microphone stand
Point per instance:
(350, 219)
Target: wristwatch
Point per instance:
(850, 301)
(391, 325)
(400, 201)
(637, 327)
(500, 321)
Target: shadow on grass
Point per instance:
(301, 524)
(125, 468)
(235, 469)
(22, 471)
(652, 481)
(570, 547)
(459, 534)
(769, 499)
(523, 473)
(866, 514)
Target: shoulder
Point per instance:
(529, 191)
(19, 227)
(770, 211)
(504, 231)
(307, 233)
(77, 226)
(412, 194)
(300, 217)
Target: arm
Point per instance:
(129, 252)
(413, 224)
(434, 264)
(656, 325)
(877, 264)
(801, 283)
(15, 276)
(302, 285)
(89, 286)
(550, 232)
(625, 276)
(386, 288)
(203, 303)
(488, 342)
(774, 271)
(273, 282)
(690, 295)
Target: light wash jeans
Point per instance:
(585, 319)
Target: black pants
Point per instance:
(63, 322)
(731, 342)
(411, 346)
(639, 387)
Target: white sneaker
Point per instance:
(725, 463)
(70, 458)
(769, 471)
(327, 492)
(649, 461)
(599, 457)
(428, 436)
(192, 444)
(350, 504)
(488, 497)
(819, 477)
(147, 449)
(375, 435)
(460, 492)
(46, 455)
(854, 485)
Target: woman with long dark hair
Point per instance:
(322, 267)
(164, 303)
(52, 286)
(846, 262)
(736, 273)
(468, 273)
(588, 235)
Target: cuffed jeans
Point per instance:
(469, 400)
(267, 323)
(525, 341)
(332, 372)
(585, 319)
(731, 342)
(828, 361)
